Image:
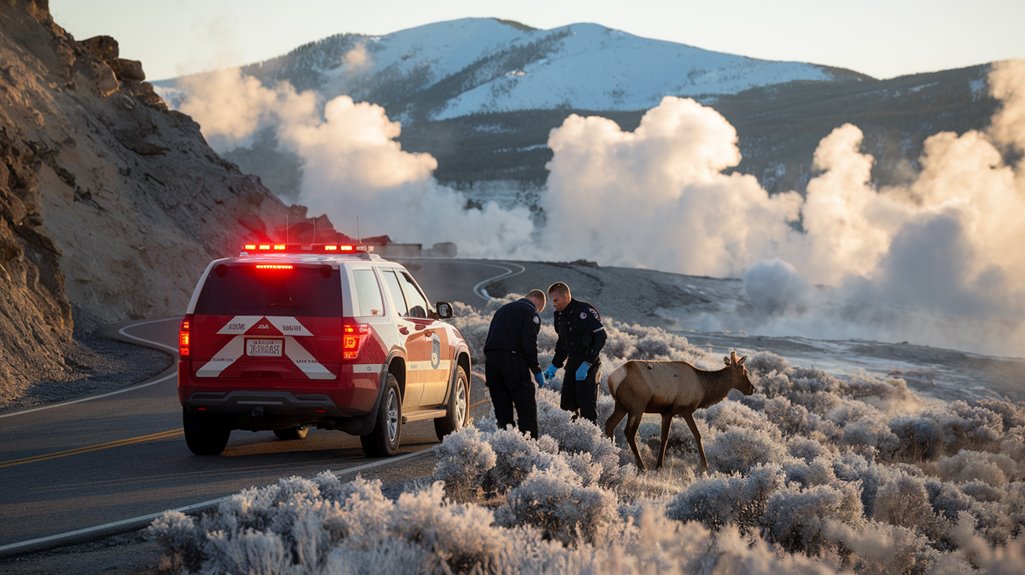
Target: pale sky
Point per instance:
(881, 38)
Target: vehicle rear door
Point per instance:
(414, 325)
(436, 372)
(268, 324)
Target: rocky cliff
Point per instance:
(110, 204)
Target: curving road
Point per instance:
(113, 462)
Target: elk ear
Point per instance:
(726, 360)
(742, 360)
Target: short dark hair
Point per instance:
(560, 287)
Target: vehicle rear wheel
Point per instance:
(204, 435)
(383, 441)
(289, 433)
(457, 414)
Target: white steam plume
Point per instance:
(352, 165)
(935, 261)
(657, 197)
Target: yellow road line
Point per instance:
(98, 447)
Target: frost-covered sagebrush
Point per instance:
(814, 473)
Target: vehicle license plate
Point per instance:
(264, 347)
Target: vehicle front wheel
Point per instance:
(457, 413)
(383, 441)
(289, 433)
(204, 435)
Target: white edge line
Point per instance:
(482, 292)
(173, 350)
(112, 393)
(137, 522)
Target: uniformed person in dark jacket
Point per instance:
(581, 337)
(510, 361)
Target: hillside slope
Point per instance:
(110, 205)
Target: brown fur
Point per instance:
(670, 388)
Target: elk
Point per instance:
(670, 388)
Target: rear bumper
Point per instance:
(258, 409)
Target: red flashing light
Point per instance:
(274, 266)
(183, 339)
(306, 248)
(353, 336)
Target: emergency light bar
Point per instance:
(271, 248)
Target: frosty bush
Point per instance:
(727, 414)
(721, 500)
(903, 500)
(880, 548)
(460, 535)
(806, 449)
(579, 436)
(463, 459)
(920, 436)
(180, 540)
(516, 456)
(818, 471)
(1011, 415)
(790, 418)
(872, 434)
(797, 518)
(739, 449)
(255, 552)
(882, 393)
(991, 468)
(558, 505)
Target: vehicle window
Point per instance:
(391, 282)
(414, 299)
(313, 291)
(368, 294)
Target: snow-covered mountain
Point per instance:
(481, 65)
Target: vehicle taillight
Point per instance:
(353, 335)
(274, 266)
(183, 338)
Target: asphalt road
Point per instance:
(114, 461)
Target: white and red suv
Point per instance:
(288, 336)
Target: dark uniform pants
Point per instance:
(580, 395)
(510, 384)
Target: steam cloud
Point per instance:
(935, 261)
(352, 165)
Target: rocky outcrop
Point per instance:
(110, 205)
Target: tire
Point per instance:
(383, 440)
(457, 414)
(290, 433)
(204, 435)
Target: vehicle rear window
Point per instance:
(245, 290)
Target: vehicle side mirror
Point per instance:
(444, 310)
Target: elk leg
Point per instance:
(697, 437)
(667, 424)
(632, 423)
(610, 424)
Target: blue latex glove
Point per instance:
(550, 372)
(539, 377)
(582, 371)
